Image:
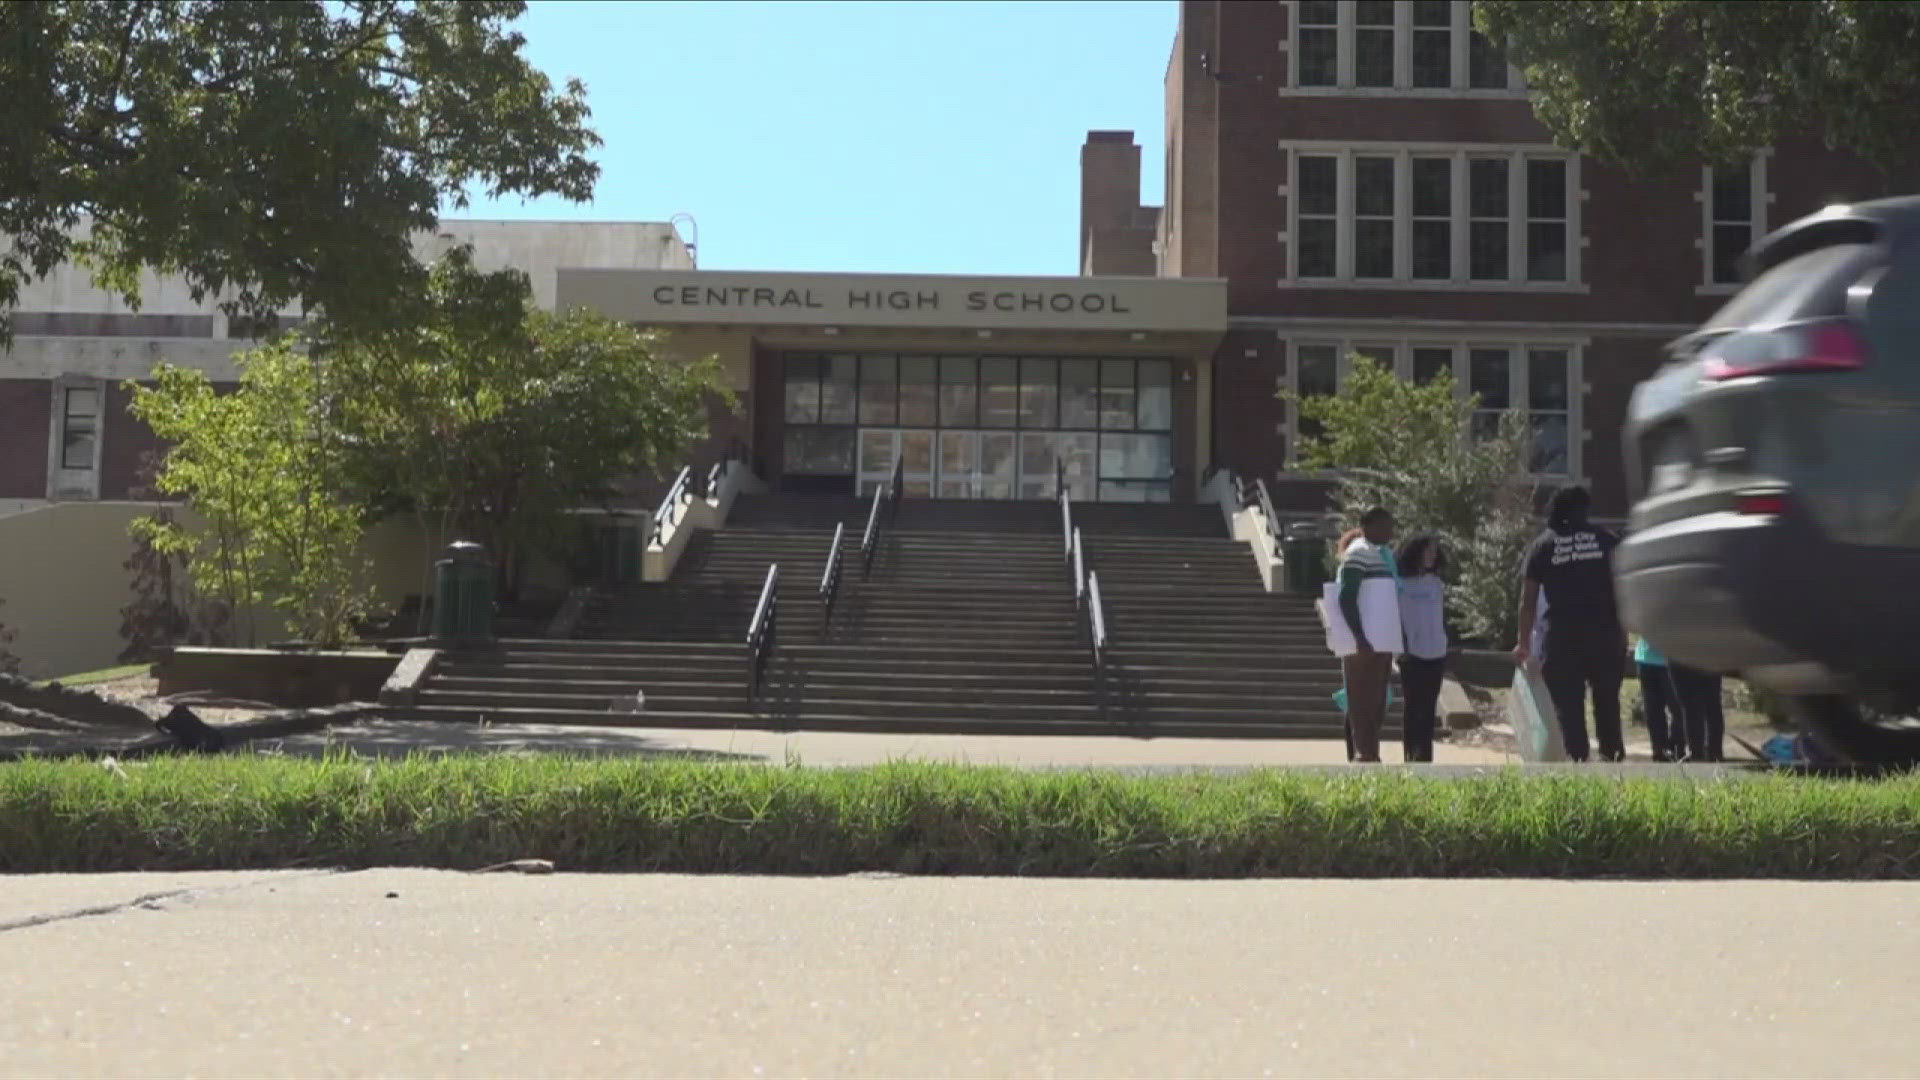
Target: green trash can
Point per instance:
(463, 595)
(1303, 560)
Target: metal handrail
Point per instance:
(1066, 527)
(1266, 509)
(885, 497)
(668, 512)
(830, 578)
(761, 632)
(1079, 570)
(1097, 638)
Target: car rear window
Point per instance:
(1808, 286)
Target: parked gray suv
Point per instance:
(1774, 463)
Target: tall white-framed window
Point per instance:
(1394, 47)
(1733, 218)
(1418, 215)
(74, 438)
(1537, 376)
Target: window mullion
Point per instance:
(1343, 45)
(1403, 214)
(1461, 57)
(1462, 219)
(1402, 44)
(1516, 218)
(1343, 237)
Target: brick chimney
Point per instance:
(1116, 232)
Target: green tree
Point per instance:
(493, 419)
(1652, 85)
(267, 472)
(284, 151)
(1418, 451)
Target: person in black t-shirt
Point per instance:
(1586, 645)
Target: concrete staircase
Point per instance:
(965, 624)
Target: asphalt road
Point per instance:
(415, 973)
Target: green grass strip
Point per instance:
(90, 678)
(629, 815)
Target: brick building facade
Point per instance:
(1368, 177)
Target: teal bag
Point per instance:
(1340, 698)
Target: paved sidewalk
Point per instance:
(416, 973)
(845, 748)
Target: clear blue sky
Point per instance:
(903, 137)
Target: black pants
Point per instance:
(1666, 723)
(1577, 660)
(1705, 717)
(1420, 681)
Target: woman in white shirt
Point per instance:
(1423, 663)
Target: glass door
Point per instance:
(959, 465)
(877, 450)
(999, 464)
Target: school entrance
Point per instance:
(979, 427)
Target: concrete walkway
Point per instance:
(392, 737)
(415, 973)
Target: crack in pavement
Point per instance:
(154, 901)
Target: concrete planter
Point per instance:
(1489, 669)
(302, 679)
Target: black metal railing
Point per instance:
(671, 506)
(830, 579)
(886, 504)
(762, 631)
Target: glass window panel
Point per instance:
(1431, 363)
(1487, 187)
(1037, 456)
(77, 443)
(959, 391)
(1373, 186)
(999, 392)
(1373, 58)
(1119, 491)
(1547, 379)
(1489, 376)
(803, 389)
(1433, 13)
(1080, 455)
(1546, 188)
(1433, 59)
(1116, 394)
(1317, 247)
(1039, 393)
(1487, 251)
(1381, 355)
(840, 382)
(1319, 369)
(1319, 12)
(1319, 56)
(83, 401)
(1486, 65)
(813, 451)
(879, 390)
(919, 393)
(1549, 451)
(1432, 187)
(876, 451)
(1547, 251)
(1729, 244)
(1319, 178)
(1156, 395)
(1733, 194)
(1433, 250)
(1373, 248)
(1135, 457)
(1080, 394)
(1373, 13)
(998, 465)
(916, 453)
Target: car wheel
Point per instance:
(1843, 727)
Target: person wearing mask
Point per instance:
(1572, 563)
(1423, 622)
(1666, 724)
(1369, 604)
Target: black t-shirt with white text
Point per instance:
(1575, 570)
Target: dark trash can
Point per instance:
(1303, 560)
(463, 594)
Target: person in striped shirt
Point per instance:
(1367, 558)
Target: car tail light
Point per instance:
(1760, 503)
(1832, 345)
